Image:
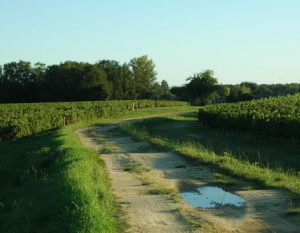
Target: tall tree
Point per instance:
(165, 86)
(144, 76)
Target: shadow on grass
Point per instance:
(35, 194)
(280, 155)
(184, 131)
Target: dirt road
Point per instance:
(138, 170)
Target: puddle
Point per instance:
(211, 197)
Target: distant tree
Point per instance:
(144, 76)
(239, 93)
(253, 86)
(180, 93)
(263, 91)
(201, 86)
(17, 82)
(161, 91)
(165, 86)
(39, 71)
(222, 91)
(94, 84)
(62, 82)
(126, 83)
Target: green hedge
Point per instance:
(20, 120)
(271, 117)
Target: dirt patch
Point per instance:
(264, 210)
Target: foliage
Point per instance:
(271, 117)
(20, 82)
(20, 120)
(201, 87)
(144, 76)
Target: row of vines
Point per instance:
(20, 120)
(271, 117)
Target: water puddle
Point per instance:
(211, 197)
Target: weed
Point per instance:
(163, 191)
(100, 139)
(192, 221)
(147, 181)
(108, 148)
(293, 211)
(134, 167)
(222, 180)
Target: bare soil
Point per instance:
(144, 212)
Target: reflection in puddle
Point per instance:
(211, 197)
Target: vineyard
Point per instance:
(271, 117)
(20, 120)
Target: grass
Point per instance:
(134, 167)
(51, 183)
(147, 181)
(109, 148)
(163, 191)
(230, 171)
(293, 211)
(267, 152)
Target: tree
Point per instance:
(180, 92)
(144, 76)
(126, 83)
(165, 86)
(113, 71)
(18, 82)
(253, 86)
(239, 93)
(201, 87)
(94, 84)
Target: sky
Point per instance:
(240, 40)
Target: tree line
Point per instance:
(203, 88)
(76, 81)
(109, 80)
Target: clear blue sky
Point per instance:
(240, 40)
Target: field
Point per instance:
(21, 120)
(272, 117)
(46, 166)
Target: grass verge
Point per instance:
(258, 175)
(50, 183)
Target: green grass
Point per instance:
(147, 181)
(163, 191)
(109, 148)
(233, 172)
(293, 211)
(52, 183)
(267, 152)
(134, 167)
